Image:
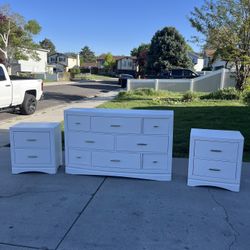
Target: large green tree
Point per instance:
(16, 36)
(109, 62)
(168, 50)
(225, 24)
(87, 55)
(141, 53)
(48, 45)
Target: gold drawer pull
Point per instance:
(214, 169)
(216, 150)
(156, 126)
(115, 126)
(155, 161)
(115, 160)
(31, 140)
(90, 141)
(142, 144)
(32, 156)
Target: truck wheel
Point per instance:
(29, 104)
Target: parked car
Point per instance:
(123, 79)
(178, 74)
(17, 92)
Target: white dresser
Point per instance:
(129, 143)
(215, 158)
(36, 147)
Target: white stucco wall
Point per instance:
(34, 66)
(199, 65)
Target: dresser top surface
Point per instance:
(216, 134)
(36, 125)
(121, 112)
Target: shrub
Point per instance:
(189, 96)
(246, 97)
(223, 94)
(75, 70)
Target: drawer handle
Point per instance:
(216, 150)
(155, 161)
(142, 144)
(115, 126)
(214, 169)
(78, 157)
(115, 160)
(77, 123)
(31, 140)
(32, 156)
(155, 126)
(90, 141)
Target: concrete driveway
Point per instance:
(40, 211)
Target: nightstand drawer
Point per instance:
(32, 156)
(78, 122)
(215, 169)
(143, 143)
(90, 140)
(154, 161)
(78, 157)
(116, 125)
(156, 126)
(215, 150)
(31, 140)
(116, 160)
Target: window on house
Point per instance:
(61, 59)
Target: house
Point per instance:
(197, 60)
(123, 65)
(31, 65)
(62, 62)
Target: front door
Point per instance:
(5, 90)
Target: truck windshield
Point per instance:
(2, 75)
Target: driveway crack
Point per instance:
(227, 219)
(81, 212)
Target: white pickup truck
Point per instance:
(19, 93)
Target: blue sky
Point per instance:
(105, 25)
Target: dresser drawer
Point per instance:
(156, 126)
(116, 160)
(78, 122)
(155, 161)
(31, 139)
(79, 157)
(116, 125)
(216, 150)
(32, 156)
(215, 169)
(142, 143)
(90, 140)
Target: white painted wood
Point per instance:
(79, 157)
(116, 160)
(116, 125)
(36, 147)
(155, 161)
(128, 149)
(216, 150)
(142, 143)
(90, 140)
(79, 122)
(156, 126)
(215, 158)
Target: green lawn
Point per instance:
(92, 77)
(210, 114)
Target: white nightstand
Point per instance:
(36, 147)
(215, 158)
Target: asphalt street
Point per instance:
(61, 94)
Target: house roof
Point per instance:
(102, 57)
(90, 64)
(61, 54)
(209, 52)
